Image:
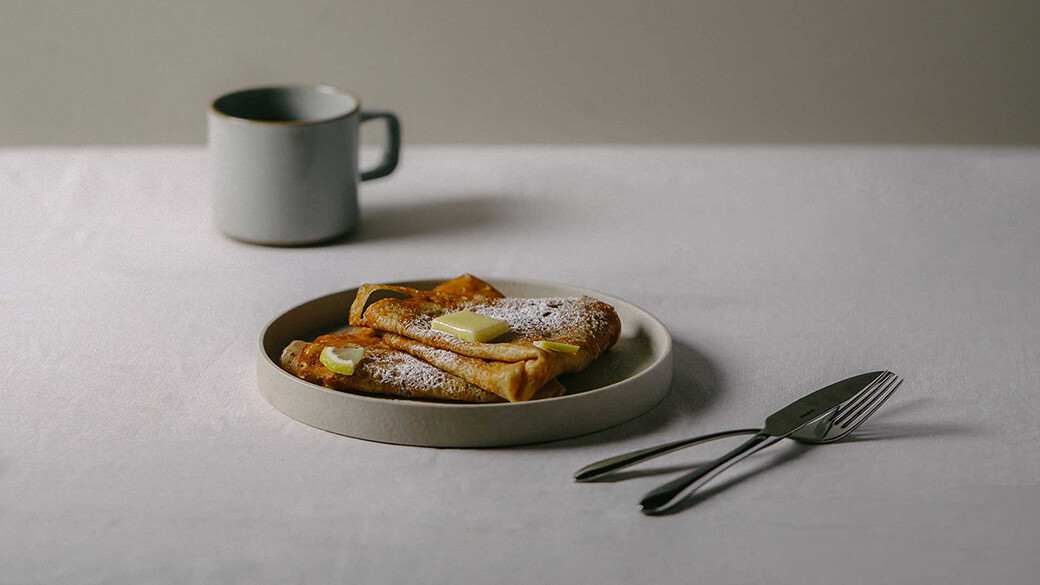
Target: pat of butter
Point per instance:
(556, 346)
(469, 326)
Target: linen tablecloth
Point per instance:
(135, 447)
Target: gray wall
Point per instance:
(79, 71)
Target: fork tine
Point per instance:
(863, 397)
(853, 423)
(861, 404)
(864, 404)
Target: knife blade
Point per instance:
(811, 406)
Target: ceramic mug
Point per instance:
(284, 163)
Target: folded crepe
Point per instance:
(388, 371)
(511, 367)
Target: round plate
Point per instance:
(626, 381)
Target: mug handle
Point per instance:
(393, 145)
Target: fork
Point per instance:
(833, 426)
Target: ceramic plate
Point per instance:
(626, 381)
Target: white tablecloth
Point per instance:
(135, 447)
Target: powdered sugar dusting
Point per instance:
(528, 318)
(543, 317)
(396, 369)
(412, 375)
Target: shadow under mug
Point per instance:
(284, 163)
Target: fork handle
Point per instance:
(605, 466)
(665, 496)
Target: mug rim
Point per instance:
(319, 87)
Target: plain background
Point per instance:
(539, 71)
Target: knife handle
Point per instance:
(666, 496)
(605, 466)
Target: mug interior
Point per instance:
(286, 104)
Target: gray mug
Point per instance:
(284, 163)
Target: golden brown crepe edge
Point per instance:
(470, 286)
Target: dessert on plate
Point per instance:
(462, 341)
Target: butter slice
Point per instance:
(469, 326)
(557, 346)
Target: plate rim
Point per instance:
(406, 403)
